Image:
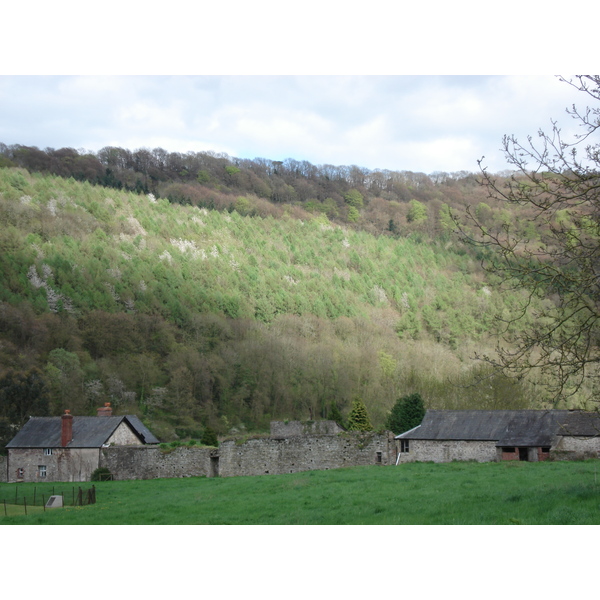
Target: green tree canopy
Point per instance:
(408, 412)
(335, 414)
(354, 198)
(209, 437)
(417, 213)
(22, 394)
(358, 419)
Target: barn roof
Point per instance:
(88, 432)
(506, 427)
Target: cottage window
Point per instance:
(378, 457)
(546, 449)
(47, 451)
(404, 446)
(508, 449)
(20, 473)
(42, 471)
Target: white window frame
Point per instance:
(47, 451)
(42, 471)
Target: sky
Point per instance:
(425, 88)
(420, 123)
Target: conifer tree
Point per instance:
(209, 437)
(358, 419)
(408, 412)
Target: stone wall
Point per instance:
(305, 453)
(123, 436)
(150, 462)
(64, 464)
(3, 467)
(449, 450)
(287, 429)
(572, 447)
(253, 457)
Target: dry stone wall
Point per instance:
(287, 429)
(3, 467)
(253, 457)
(304, 453)
(150, 462)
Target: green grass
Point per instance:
(551, 493)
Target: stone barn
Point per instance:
(68, 448)
(495, 435)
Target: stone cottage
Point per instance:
(494, 435)
(68, 448)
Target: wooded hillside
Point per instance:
(199, 290)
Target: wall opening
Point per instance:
(378, 458)
(524, 454)
(214, 466)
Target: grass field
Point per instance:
(552, 493)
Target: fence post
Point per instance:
(25, 505)
(44, 502)
(5, 508)
(34, 488)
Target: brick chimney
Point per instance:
(105, 411)
(66, 432)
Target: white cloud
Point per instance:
(402, 123)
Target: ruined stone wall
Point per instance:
(304, 453)
(287, 429)
(64, 464)
(449, 450)
(150, 462)
(254, 457)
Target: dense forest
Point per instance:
(201, 290)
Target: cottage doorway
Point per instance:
(523, 454)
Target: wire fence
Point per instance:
(79, 497)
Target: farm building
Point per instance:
(68, 448)
(495, 435)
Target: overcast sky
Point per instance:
(412, 123)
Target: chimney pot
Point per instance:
(105, 411)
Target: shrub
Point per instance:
(101, 474)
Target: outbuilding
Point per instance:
(494, 435)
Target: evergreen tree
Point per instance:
(209, 437)
(408, 412)
(358, 419)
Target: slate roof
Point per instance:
(88, 432)
(506, 427)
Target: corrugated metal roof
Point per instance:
(506, 427)
(88, 432)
